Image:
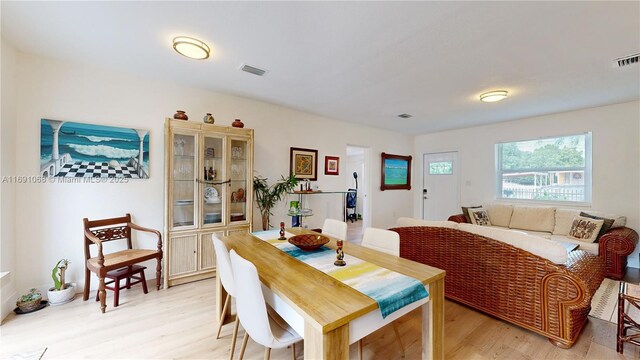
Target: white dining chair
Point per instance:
(388, 242)
(224, 271)
(335, 228)
(265, 328)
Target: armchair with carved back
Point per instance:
(98, 232)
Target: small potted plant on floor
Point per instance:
(30, 301)
(61, 292)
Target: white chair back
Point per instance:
(386, 241)
(250, 304)
(335, 228)
(223, 266)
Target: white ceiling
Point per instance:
(362, 62)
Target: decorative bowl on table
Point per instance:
(308, 242)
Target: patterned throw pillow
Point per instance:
(585, 229)
(479, 217)
(606, 225)
(465, 212)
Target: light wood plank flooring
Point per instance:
(179, 323)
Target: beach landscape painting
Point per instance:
(72, 149)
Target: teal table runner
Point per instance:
(391, 290)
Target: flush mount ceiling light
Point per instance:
(191, 48)
(493, 96)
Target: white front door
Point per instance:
(441, 188)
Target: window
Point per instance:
(441, 168)
(551, 169)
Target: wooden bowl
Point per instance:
(308, 242)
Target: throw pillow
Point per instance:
(465, 212)
(606, 225)
(479, 216)
(585, 229)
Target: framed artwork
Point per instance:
(331, 165)
(304, 163)
(79, 150)
(396, 172)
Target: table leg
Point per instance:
(332, 345)
(433, 322)
(221, 295)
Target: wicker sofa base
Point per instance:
(510, 283)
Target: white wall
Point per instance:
(7, 168)
(49, 216)
(616, 145)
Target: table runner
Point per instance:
(391, 290)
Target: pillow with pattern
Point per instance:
(585, 229)
(479, 216)
(606, 225)
(465, 212)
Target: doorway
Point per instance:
(358, 162)
(441, 186)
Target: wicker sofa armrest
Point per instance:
(459, 218)
(615, 246)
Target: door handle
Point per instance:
(424, 194)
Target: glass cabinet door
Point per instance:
(239, 177)
(183, 180)
(213, 187)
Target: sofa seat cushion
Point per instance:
(564, 220)
(542, 234)
(536, 245)
(500, 214)
(406, 222)
(533, 218)
(590, 247)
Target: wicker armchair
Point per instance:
(508, 282)
(615, 246)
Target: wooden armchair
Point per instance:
(97, 232)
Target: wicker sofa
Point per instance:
(508, 282)
(551, 223)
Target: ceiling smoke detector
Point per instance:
(253, 70)
(628, 60)
(405, 116)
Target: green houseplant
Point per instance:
(29, 301)
(268, 196)
(61, 292)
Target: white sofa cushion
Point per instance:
(406, 221)
(564, 220)
(590, 247)
(479, 217)
(542, 234)
(618, 221)
(585, 229)
(533, 218)
(547, 249)
(500, 214)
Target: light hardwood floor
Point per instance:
(179, 323)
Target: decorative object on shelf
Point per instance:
(236, 152)
(340, 255)
(210, 152)
(238, 195)
(211, 195)
(294, 212)
(395, 172)
(308, 242)
(61, 292)
(180, 115)
(213, 217)
(268, 196)
(237, 216)
(92, 151)
(212, 173)
(30, 301)
(331, 165)
(303, 163)
(237, 123)
(282, 237)
(208, 119)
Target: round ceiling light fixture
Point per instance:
(191, 48)
(493, 96)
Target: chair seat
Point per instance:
(121, 258)
(283, 334)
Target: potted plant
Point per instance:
(268, 196)
(61, 292)
(30, 301)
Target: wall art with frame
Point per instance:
(331, 165)
(304, 163)
(395, 172)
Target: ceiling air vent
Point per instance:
(628, 60)
(404, 116)
(253, 70)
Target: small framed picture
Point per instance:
(304, 163)
(331, 165)
(396, 172)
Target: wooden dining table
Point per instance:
(328, 314)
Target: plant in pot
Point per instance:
(30, 301)
(61, 292)
(268, 196)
